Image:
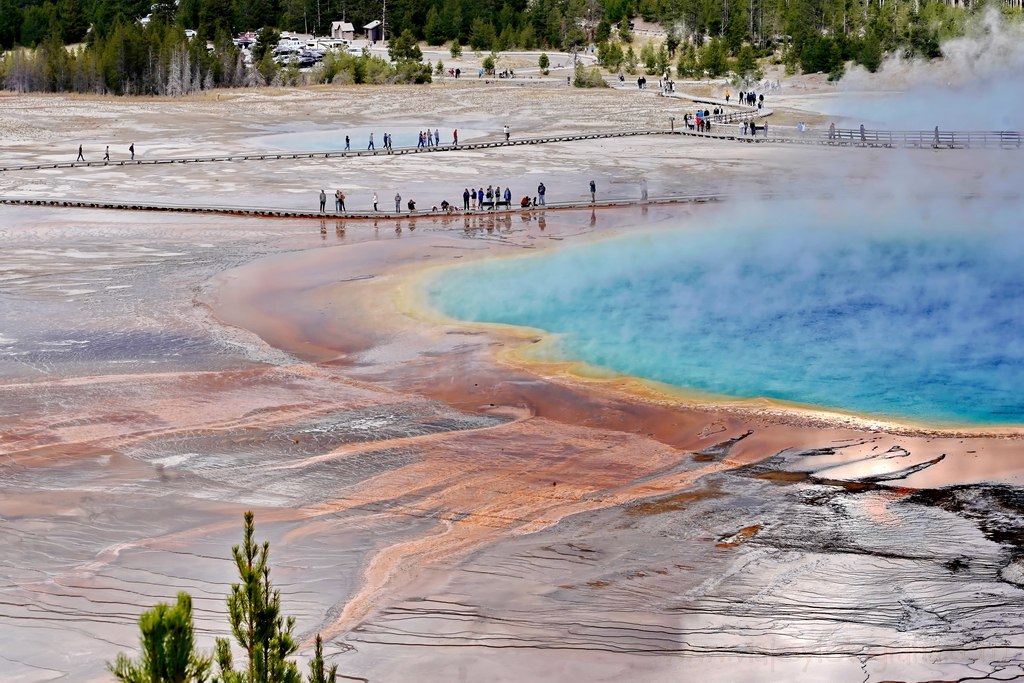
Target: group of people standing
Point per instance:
(485, 199)
(472, 198)
(427, 138)
(432, 139)
(751, 99)
(701, 121)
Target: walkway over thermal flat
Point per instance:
(730, 131)
(266, 212)
(341, 153)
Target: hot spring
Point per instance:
(917, 318)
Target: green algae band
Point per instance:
(914, 315)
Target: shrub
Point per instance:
(589, 78)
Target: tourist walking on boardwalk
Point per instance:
(643, 189)
(81, 157)
(106, 154)
(339, 200)
(508, 197)
(437, 136)
(472, 196)
(593, 192)
(131, 148)
(323, 200)
(506, 132)
(348, 144)
(465, 199)
(862, 138)
(455, 137)
(832, 131)
(374, 201)
(370, 146)
(935, 139)
(398, 203)
(727, 97)
(540, 193)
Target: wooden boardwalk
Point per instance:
(720, 131)
(885, 139)
(266, 212)
(337, 154)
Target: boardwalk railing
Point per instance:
(737, 116)
(943, 139)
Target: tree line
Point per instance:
(116, 54)
(158, 59)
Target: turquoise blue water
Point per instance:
(332, 140)
(920, 317)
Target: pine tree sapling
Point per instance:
(168, 648)
(318, 671)
(254, 612)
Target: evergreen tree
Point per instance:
(649, 58)
(712, 58)
(625, 32)
(266, 40)
(318, 672)
(168, 648)
(871, 52)
(254, 611)
(746, 63)
(435, 31)
(72, 21)
(164, 11)
(404, 48)
(672, 42)
(736, 30)
(216, 16)
(482, 35)
(10, 23)
(38, 23)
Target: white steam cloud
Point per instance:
(978, 85)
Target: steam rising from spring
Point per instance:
(978, 85)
